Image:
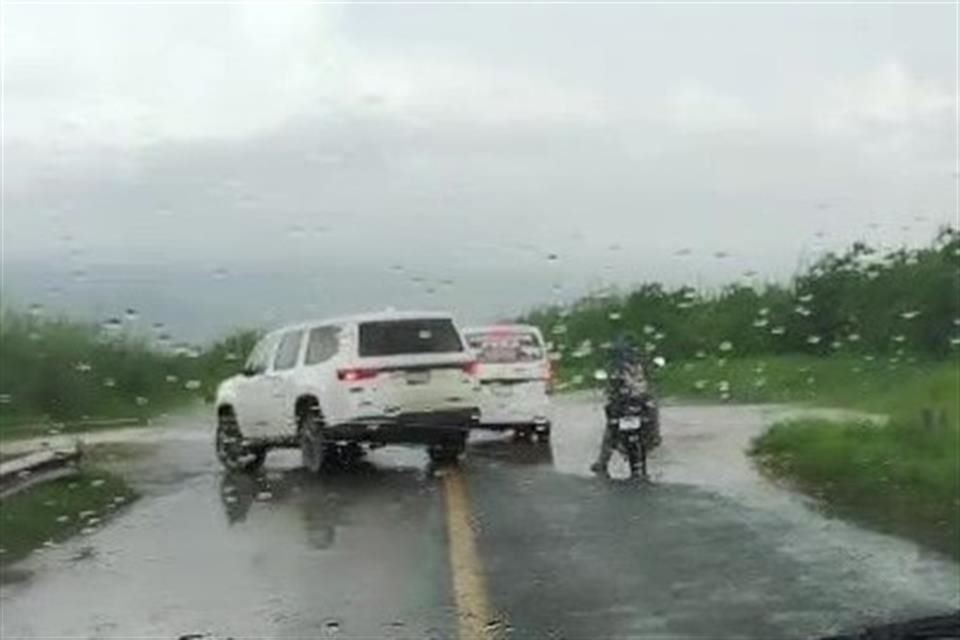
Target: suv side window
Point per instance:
(260, 356)
(323, 344)
(288, 350)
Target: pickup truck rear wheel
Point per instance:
(313, 450)
(232, 451)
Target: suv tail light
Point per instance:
(471, 368)
(353, 375)
(548, 378)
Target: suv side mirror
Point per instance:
(249, 371)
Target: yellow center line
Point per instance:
(475, 619)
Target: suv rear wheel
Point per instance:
(313, 449)
(447, 452)
(232, 451)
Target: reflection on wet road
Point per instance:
(520, 541)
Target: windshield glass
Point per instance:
(316, 319)
(398, 337)
(505, 346)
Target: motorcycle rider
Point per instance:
(625, 379)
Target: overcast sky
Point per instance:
(402, 146)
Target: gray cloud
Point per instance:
(305, 145)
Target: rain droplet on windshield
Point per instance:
(331, 626)
(778, 331)
(909, 315)
(614, 315)
(82, 367)
(192, 385)
(130, 315)
(726, 346)
(813, 339)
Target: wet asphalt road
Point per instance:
(709, 550)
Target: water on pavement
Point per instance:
(709, 549)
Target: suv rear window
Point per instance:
(401, 337)
(506, 346)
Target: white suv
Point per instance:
(326, 387)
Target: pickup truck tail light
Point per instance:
(471, 368)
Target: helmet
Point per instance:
(623, 352)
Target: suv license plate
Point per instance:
(418, 377)
(629, 424)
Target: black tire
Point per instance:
(446, 452)
(232, 451)
(644, 451)
(544, 431)
(313, 449)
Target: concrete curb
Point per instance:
(37, 467)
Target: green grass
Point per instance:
(902, 476)
(51, 512)
(60, 373)
(871, 385)
(875, 385)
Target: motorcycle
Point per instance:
(633, 421)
